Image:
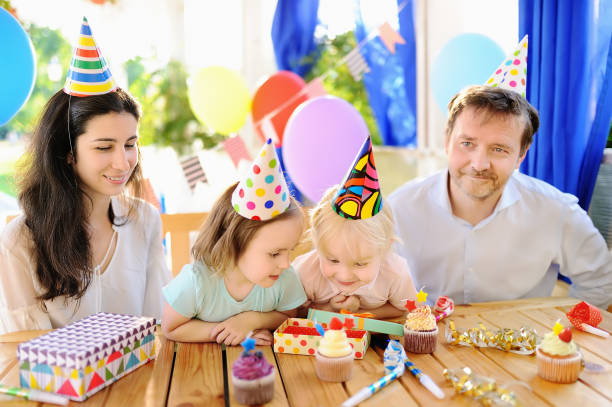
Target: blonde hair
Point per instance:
(225, 234)
(325, 225)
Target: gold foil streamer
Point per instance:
(521, 341)
(481, 388)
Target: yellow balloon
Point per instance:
(220, 99)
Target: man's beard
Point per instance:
(487, 176)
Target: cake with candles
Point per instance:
(557, 356)
(252, 376)
(335, 355)
(420, 328)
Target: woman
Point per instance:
(82, 245)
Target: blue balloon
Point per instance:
(17, 66)
(467, 59)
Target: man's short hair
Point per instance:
(495, 101)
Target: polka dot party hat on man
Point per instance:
(359, 196)
(512, 73)
(263, 194)
(88, 73)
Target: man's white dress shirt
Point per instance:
(534, 232)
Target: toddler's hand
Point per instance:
(233, 330)
(350, 303)
(262, 337)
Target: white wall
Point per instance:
(437, 22)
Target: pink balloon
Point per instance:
(322, 139)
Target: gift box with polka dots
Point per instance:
(299, 336)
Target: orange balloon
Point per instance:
(278, 91)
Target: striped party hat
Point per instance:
(359, 195)
(512, 73)
(88, 73)
(263, 194)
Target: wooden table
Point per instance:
(192, 374)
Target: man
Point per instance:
(479, 231)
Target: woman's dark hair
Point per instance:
(50, 194)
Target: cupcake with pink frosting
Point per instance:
(420, 328)
(252, 376)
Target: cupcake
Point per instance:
(252, 376)
(335, 354)
(420, 330)
(558, 358)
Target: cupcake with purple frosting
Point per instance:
(252, 376)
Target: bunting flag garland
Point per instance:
(236, 149)
(268, 130)
(88, 73)
(390, 37)
(194, 173)
(356, 64)
(315, 88)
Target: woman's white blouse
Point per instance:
(131, 283)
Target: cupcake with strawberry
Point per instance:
(420, 328)
(557, 356)
(252, 376)
(335, 355)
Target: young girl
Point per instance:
(82, 245)
(241, 279)
(353, 266)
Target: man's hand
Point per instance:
(233, 330)
(350, 303)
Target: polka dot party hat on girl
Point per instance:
(263, 194)
(88, 73)
(512, 73)
(359, 196)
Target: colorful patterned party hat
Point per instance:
(359, 196)
(263, 194)
(512, 73)
(88, 73)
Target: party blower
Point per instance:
(395, 361)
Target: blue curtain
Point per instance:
(293, 35)
(391, 82)
(295, 49)
(567, 81)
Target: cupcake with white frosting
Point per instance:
(334, 355)
(557, 356)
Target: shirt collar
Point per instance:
(510, 194)
(440, 191)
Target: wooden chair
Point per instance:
(178, 225)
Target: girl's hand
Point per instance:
(263, 337)
(350, 303)
(233, 330)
